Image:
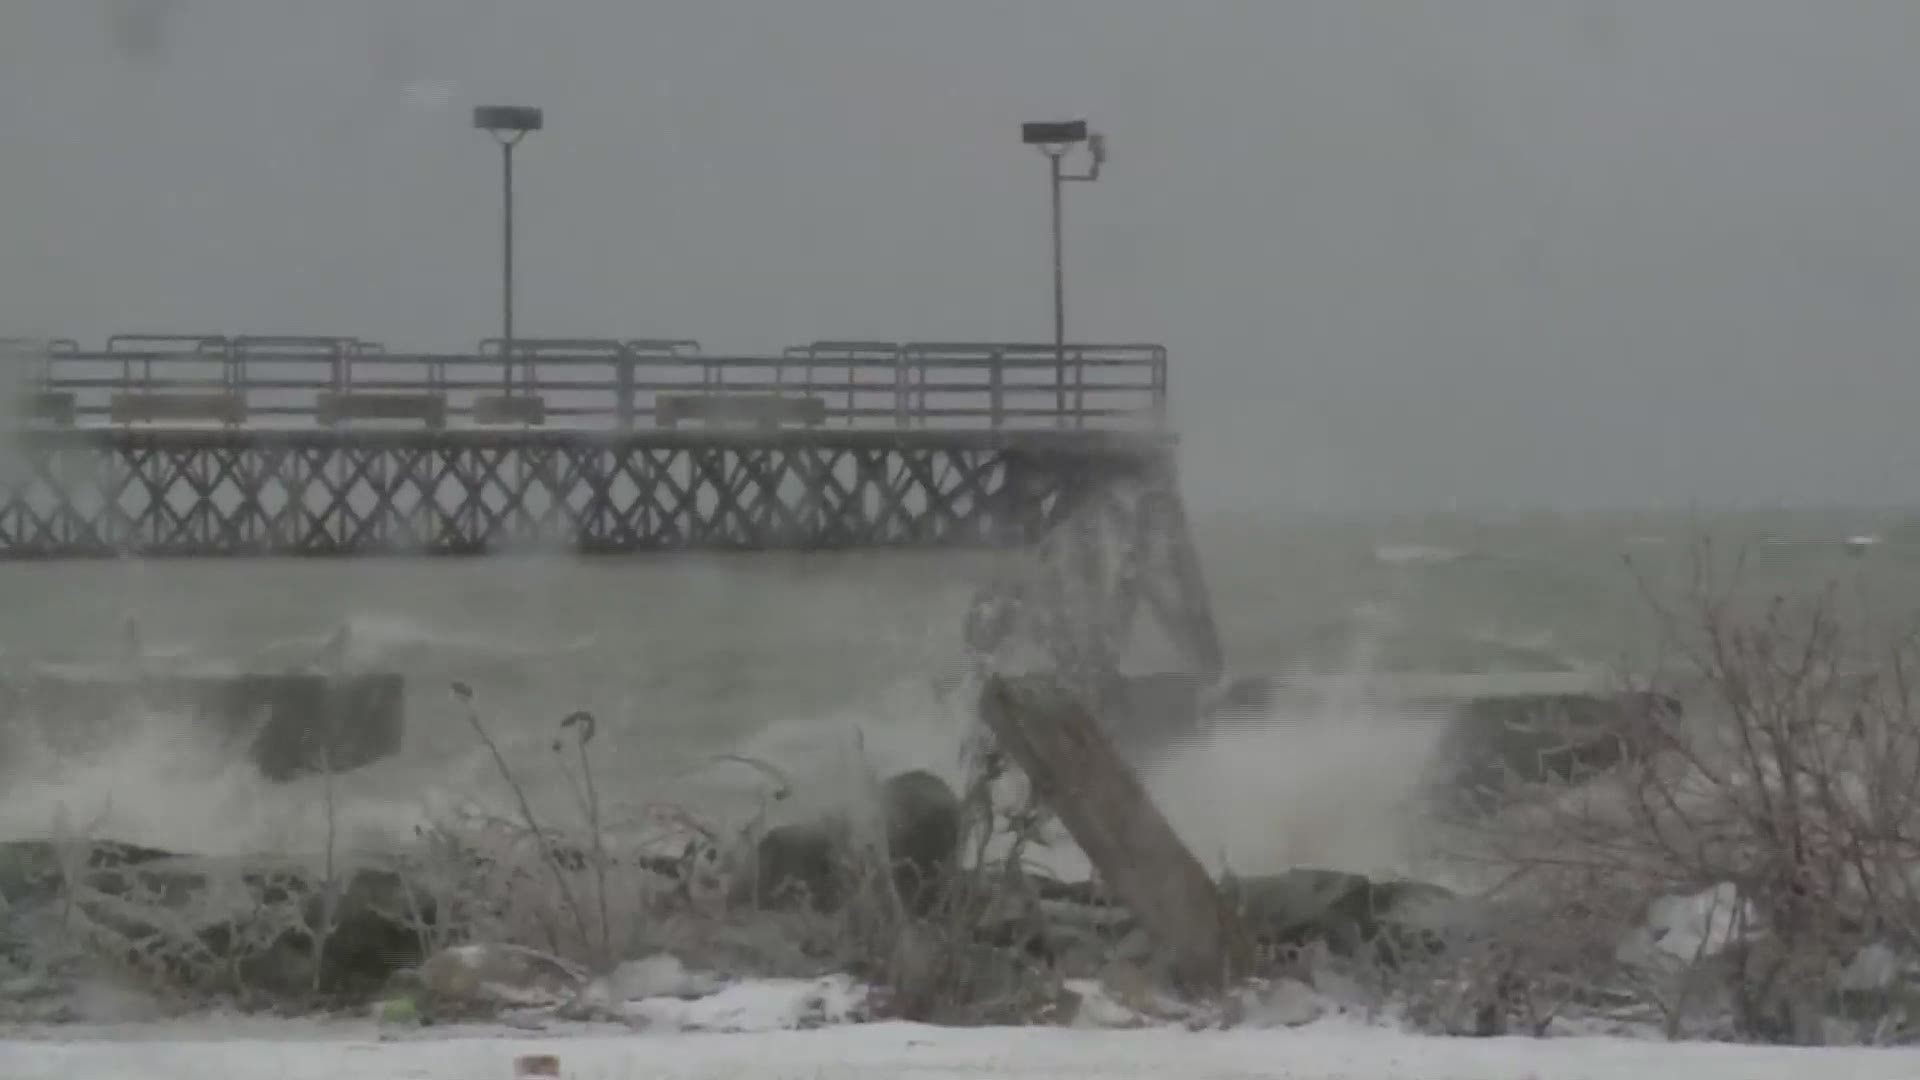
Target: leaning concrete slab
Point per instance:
(1075, 771)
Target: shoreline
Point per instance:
(305, 1050)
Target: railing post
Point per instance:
(1080, 387)
(233, 367)
(1160, 388)
(900, 387)
(996, 379)
(920, 409)
(624, 404)
(853, 383)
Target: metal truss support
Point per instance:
(94, 494)
(1116, 544)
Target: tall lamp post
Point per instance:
(1055, 138)
(508, 124)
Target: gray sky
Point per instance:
(1525, 253)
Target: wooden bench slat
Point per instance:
(528, 409)
(335, 407)
(219, 405)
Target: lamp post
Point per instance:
(1055, 138)
(508, 124)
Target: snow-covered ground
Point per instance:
(1324, 1051)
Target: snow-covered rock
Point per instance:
(1282, 1003)
(758, 1005)
(660, 976)
(495, 975)
(1689, 927)
(1875, 967)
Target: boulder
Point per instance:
(661, 975)
(480, 979)
(1348, 913)
(1495, 742)
(922, 816)
(799, 866)
(308, 723)
(804, 864)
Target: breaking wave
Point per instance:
(820, 665)
(162, 781)
(1416, 554)
(383, 638)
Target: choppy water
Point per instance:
(784, 658)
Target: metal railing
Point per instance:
(283, 381)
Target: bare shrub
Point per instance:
(595, 889)
(1790, 792)
(1525, 958)
(549, 857)
(186, 929)
(975, 951)
(973, 942)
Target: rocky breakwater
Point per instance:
(270, 931)
(256, 929)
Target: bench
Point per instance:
(222, 406)
(763, 410)
(336, 408)
(56, 407)
(529, 409)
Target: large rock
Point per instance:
(301, 724)
(1495, 742)
(800, 866)
(1351, 915)
(1346, 912)
(922, 816)
(805, 864)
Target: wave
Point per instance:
(1417, 554)
(361, 642)
(365, 640)
(162, 780)
(1401, 646)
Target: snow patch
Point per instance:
(1685, 928)
(760, 1005)
(310, 1051)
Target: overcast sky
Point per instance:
(1526, 253)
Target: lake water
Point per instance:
(798, 660)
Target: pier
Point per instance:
(159, 446)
